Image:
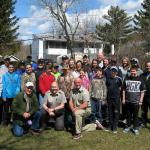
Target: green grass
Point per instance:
(54, 140)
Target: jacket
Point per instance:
(19, 107)
(98, 89)
(10, 85)
(45, 82)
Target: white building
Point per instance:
(49, 47)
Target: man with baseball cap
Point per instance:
(25, 111)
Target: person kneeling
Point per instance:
(53, 107)
(25, 111)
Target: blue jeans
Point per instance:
(40, 101)
(19, 130)
(96, 113)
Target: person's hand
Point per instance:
(74, 110)
(4, 99)
(140, 103)
(123, 102)
(26, 115)
(51, 113)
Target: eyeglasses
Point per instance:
(30, 87)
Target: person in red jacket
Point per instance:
(45, 81)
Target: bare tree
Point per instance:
(60, 10)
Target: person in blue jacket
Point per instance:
(11, 84)
(21, 68)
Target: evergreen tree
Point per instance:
(117, 27)
(8, 25)
(142, 22)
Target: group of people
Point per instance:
(81, 95)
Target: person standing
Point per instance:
(28, 76)
(146, 101)
(133, 94)
(114, 84)
(98, 93)
(3, 70)
(100, 57)
(66, 82)
(11, 85)
(45, 81)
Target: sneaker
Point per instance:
(99, 125)
(34, 132)
(114, 132)
(124, 121)
(77, 136)
(136, 132)
(126, 130)
(143, 125)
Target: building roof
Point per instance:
(61, 38)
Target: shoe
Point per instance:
(77, 136)
(114, 132)
(34, 132)
(136, 132)
(106, 130)
(99, 126)
(143, 125)
(124, 121)
(126, 130)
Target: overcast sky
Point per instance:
(34, 20)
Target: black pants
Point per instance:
(145, 107)
(6, 114)
(58, 119)
(1, 109)
(68, 116)
(132, 111)
(114, 112)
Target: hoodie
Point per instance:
(10, 85)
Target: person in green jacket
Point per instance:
(25, 111)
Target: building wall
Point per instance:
(57, 51)
(35, 49)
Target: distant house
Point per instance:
(50, 47)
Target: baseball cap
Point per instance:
(65, 57)
(135, 60)
(29, 84)
(85, 56)
(40, 61)
(114, 69)
(6, 57)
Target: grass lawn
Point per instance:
(53, 140)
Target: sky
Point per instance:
(35, 20)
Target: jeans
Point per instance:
(114, 112)
(41, 97)
(96, 110)
(19, 130)
(132, 111)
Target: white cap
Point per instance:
(28, 84)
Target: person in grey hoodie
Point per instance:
(98, 92)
